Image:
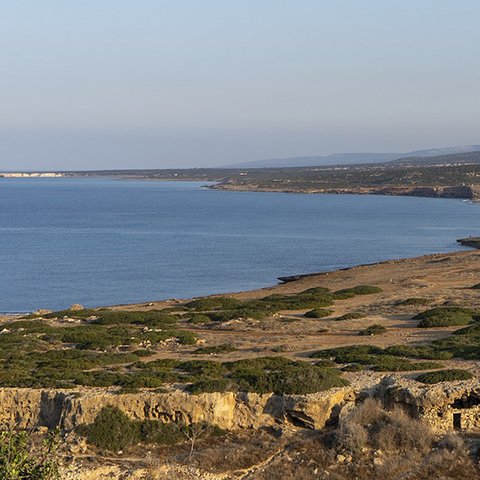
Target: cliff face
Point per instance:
(444, 407)
(30, 408)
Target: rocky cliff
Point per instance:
(31, 408)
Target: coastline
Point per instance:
(452, 192)
(294, 283)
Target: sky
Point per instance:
(99, 84)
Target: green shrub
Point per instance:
(85, 313)
(353, 367)
(373, 330)
(20, 458)
(344, 354)
(203, 369)
(215, 349)
(444, 376)
(466, 346)
(228, 315)
(213, 303)
(318, 313)
(316, 291)
(373, 356)
(444, 317)
(387, 363)
(343, 295)
(311, 298)
(359, 290)
(186, 338)
(426, 352)
(112, 430)
(414, 301)
(151, 318)
(145, 380)
(199, 319)
(476, 286)
(282, 376)
(212, 385)
(352, 316)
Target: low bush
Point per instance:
(414, 301)
(351, 316)
(359, 290)
(215, 349)
(353, 367)
(243, 313)
(387, 363)
(85, 313)
(311, 298)
(186, 338)
(151, 318)
(426, 352)
(282, 376)
(444, 317)
(451, 375)
(374, 357)
(262, 375)
(201, 369)
(199, 319)
(373, 330)
(22, 458)
(212, 385)
(213, 303)
(113, 430)
(318, 313)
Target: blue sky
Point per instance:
(123, 84)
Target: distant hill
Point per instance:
(353, 158)
(453, 158)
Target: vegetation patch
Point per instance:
(212, 303)
(352, 316)
(451, 375)
(375, 329)
(263, 375)
(318, 313)
(113, 430)
(358, 290)
(151, 318)
(414, 301)
(199, 319)
(445, 317)
(22, 458)
(215, 349)
(374, 357)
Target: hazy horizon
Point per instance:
(99, 85)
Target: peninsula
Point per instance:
(445, 176)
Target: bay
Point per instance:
(107, 241)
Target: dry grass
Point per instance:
(374, 444)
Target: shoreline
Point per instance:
(288, 283)
(283, 281)
(450, 192)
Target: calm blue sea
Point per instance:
(103, 241)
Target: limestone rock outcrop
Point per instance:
(30, 408)
(445, 406)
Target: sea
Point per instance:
(106, 241)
